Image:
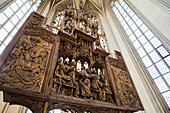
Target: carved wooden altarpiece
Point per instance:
(34, 72)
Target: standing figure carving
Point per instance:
(96, 84)
(72, 73)
(59, 73)
(85, 83)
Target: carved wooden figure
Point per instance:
(31, 70)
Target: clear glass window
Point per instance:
(141, 52)
(161, 84)
(146, 61)
(154, 55)
(132, 37)
(14, 6)
(134, 27)
(19, 3)
(153, 71)
(136, 44)
(3, 33)
(8, 12)
(3, 18)
(138, 33)
(149, 34)
(155, 42)
(142, 39)
(163, 51)
(12, 18)
(144, 28)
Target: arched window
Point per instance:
(12, 18)
(67, 59)
(78, 65)
(55, 111)
(58, 21)
(51, 111)
(98, 71)
(153, 53)
(85, 65)
(62, 59)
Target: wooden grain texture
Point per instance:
(61, 85)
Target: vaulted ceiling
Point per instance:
(96, 5)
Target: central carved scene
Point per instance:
(80, 73)
(66, 66)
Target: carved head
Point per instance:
(26, 45)
(66, 62)
(94, 71)
(59, 61)
(43, 54)
(73, 63)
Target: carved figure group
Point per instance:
(25, 65)
(82, 84)
(125, 89)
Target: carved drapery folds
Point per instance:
(24, 68)
(86, 83)
(64, 72)
(26, 64)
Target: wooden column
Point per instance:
(112, 82)
(47, 84)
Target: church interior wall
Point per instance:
(131, 66)
(158, 19)
(6, 108)
(146, 88)
(155, 16)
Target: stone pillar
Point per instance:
(6, 108)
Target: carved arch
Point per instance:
(33, 105)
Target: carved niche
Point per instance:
(86, 82)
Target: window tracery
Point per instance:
(153, 53)
(68, 89)
(12, 18)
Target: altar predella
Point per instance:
(67, 70)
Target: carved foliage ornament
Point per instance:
(83, 50)
(118, 64)
(38, 31)
(66, 50)
(80, 109)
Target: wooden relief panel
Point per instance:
(25, 66)
(126, 90)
